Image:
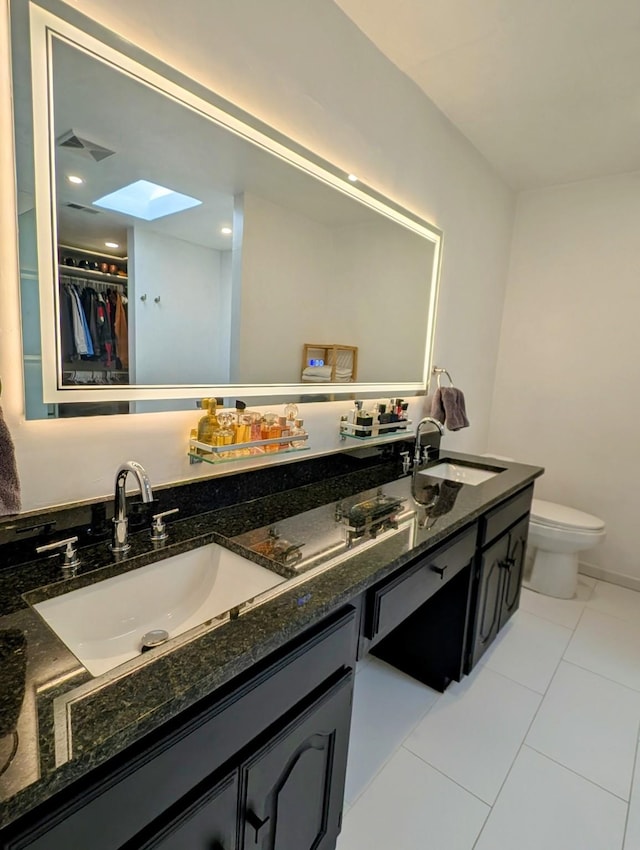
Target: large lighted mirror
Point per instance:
(171, 247)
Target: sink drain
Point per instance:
(154, 638)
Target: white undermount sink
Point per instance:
(457, 472)
(103, 624)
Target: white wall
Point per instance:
(382, 288)
(305, 69)
(189, 281)
(566, 393)
(286, 294)
(363, 285)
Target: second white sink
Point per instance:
(456, 472)
(103, 624)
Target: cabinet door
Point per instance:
(206, 820)
(489, 598)
(514, 569)
(292, 789)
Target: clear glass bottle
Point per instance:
(296, 431)
(224, 436)
(291, 413)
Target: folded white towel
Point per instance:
(318, 371)
(324, 379)
(324, 373)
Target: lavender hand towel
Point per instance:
(454, 408)
(437, 407)
(9, 482)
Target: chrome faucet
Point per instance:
(120, 521)
(417, 454)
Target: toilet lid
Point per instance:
(559, 516)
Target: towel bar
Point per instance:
(440, 372)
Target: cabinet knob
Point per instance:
(256, 822)
(440, 570)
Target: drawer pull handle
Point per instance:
(440, 570)
(256, 822)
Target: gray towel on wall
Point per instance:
(9, 482)
(448, 406)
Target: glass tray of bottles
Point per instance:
(381, 419)
(235, 434)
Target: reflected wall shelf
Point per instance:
(199, 452)
(378, 433)
(91, 274)
(334, 355)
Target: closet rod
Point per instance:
(99, 285)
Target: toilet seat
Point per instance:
(551, 515)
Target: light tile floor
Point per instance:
(536, 750)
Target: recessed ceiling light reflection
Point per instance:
(226, 230)
(146, 200)
(111, 245)
(353, 178)
(73, 178)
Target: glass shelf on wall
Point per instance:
(203, 452)
(376, 432)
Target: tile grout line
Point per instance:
(555, 622)
(548, 619)
(533, 720)
(600, 676)
(391, 755)
(443, 774)
(633, 785)
(523, 745)
(576, 773)
(582, 667)
(516, 682)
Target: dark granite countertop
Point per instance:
(67, 722)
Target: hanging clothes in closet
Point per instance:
(121, 331)
(87, 320)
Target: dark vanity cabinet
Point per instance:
(261, 764)
(498, 571)
(206, 820)
(286, 794)
(293, 787)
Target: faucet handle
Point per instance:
(158, 528)
(71, 561)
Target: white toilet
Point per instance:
(558, 533)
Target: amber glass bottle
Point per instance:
(208, 426)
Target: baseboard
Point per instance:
(612, 577)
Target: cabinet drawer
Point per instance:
(141, 784)
(495, 521)
(391, 602)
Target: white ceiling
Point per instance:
(547, 90)
(157, 138)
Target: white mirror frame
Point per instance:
(44, 26)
